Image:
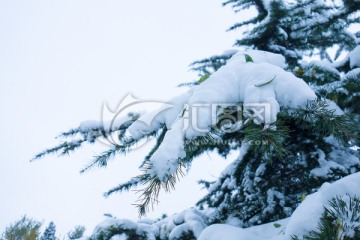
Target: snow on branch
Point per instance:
(208, 117)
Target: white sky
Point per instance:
(60, 61)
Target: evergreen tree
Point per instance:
(49, 233)
(280, 161)
(23, 229)
(270, 190)
(77, 233)
(294, 29)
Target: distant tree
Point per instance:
(23, 229)
(49, 233)
(77, 232)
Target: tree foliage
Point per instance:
(49, 233)
(23, 229)
(77, 232)
(280, 162)
(339, 221)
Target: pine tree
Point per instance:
(270, 190)
(77, 233)
(49, 233)
(280, 161)
(24, 229)
(293, 28)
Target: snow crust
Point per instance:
(223, 231)
(166, 115)
(353, 73)
(326, 166)
(230, 52)
(142, 229)
(119, 237)
(325, 65)
(354, 56)
(228, 232)
(173, 227)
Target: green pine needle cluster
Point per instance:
(319, 116)
(150, 193)
(269, 140)
(339, 221)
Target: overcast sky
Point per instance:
(59, 62)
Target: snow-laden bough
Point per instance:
(262, 80)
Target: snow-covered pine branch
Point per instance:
(259, 81)
(311, 135)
